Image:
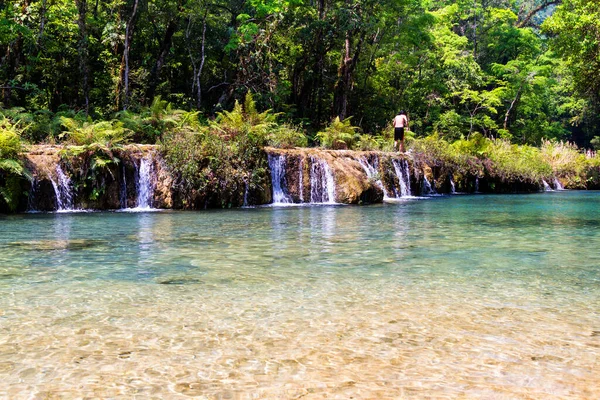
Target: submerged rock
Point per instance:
(45, 245)
(179, 280)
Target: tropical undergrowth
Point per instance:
(499, 160)
(223, 164)
(12, 169)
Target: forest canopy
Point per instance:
(521, 70)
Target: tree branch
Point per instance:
(525, 21)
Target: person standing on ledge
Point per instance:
(400, 122)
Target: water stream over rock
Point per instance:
(145, 183)
(403, 174)
(322, 183)
(277, 166)
(139, 180)
(547, 187)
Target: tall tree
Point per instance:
(82, 49)
(129, 29)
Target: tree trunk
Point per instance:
(43, 20)
(202, 58)
(165, 46)
(547, 3)
(82, 49)
(128, 37)
(345, 74)
(340, 96)
(512, 105)
(14, 59)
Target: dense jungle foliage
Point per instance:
(501, 85)
(524, 70)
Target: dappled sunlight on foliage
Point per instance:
(338, 135)
(502, 160)
(225, 159)
(103, 133)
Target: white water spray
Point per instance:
(63, 190)
(372, 173)
(145, 184)
(402, 173)
(301, 180)
(123, 191)
(427, 189)
(322, 183)
(277, 166)
(557, 184)
(547, 187)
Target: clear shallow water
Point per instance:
(464, 296)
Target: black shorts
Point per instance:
(398, 133)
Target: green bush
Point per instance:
(12, 171)
(564, 158)
(104, 133)
(450, 126)
(432, 150)
(511, 162)
(367, 142)
(338, 135)
(498, 158)
(286, 137)
(214, 164)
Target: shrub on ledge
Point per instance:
(12, 171)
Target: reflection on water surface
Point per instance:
(467, 296)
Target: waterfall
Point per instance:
(31, 198)
(372, 173)
(63, 190)
(245, 203)
(246, 188)
(476, 184)
(427, 189)
(301, 180)
(123, 189)
(322, 183)
(557, 184)
(277, 166)
(547, 187)
(406, 176)
(452, 186)
(402, 173)
(145, 184)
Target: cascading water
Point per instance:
(402, 173)
(372, 173)
(63, 190)
(145, 184)
(427, 189)
(322, 183)
(31, 198)
(246, 189)
(558, 185)
(452, 186)
(277, 166)
(476, 184)
(123, 189)
(301, 180)
(547, 187)
(245, 203)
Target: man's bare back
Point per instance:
(400, 121)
